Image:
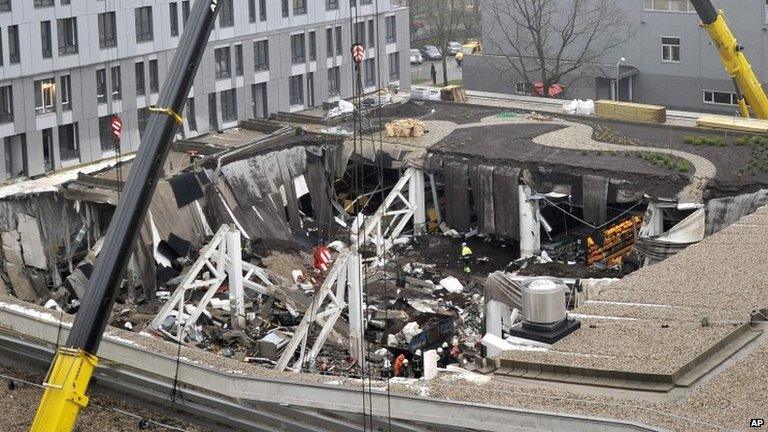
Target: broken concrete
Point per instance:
(31, 242)
(11, 247)
(20, 284)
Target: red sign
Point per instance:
(117, 127)
(358, 53)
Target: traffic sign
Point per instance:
(117, 127)
(358, 53)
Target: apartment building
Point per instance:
(669, 59)
(67, 66)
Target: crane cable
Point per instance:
(356, 182)
(377, 40)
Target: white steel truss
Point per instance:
(394, 213)
(325, 310)
(219, 260)
(384, 227)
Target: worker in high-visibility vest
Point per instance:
(466, 256)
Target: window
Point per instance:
(370, 72)
(67, 29)
(101, 85)
(251, 10)
(331, 4)
(297, 48)
(296, 90)
(184, 12)
(143, 17)
(143, 120)
(334, 81)
(299, 7)
(42, 3)
(174, 12)
(106, 138)
(68, 147)
(670, 49)
(45, 39)
(5, 5)
(668, 5)
(65, 2)
(720, 97)
(226, 14)
(261, 55)
(521, 87)
(312, 46)
(191, 120)
(366, 2)
(285, 8)
(239, 60)
(213, 117)
(45, 96)
(1, 46)
(228, 106)
(107, 30)
(371, 34)
(6, 104)
(360, 33)
(223, 65)
(141, 89)
(262, 10)
(329, 42)
(117, 83)
(47, 149)
(391, 32)
(339, 49)
(394, 66)
(65, 92)
(14, 53)
(154, 79)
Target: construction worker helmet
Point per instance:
(464, 244)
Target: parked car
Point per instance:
(452, 48)
(430, 52)
(471, 47)
(416, 57)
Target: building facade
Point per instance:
(66, 66)
(670, 59)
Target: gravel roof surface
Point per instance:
(724, 274)
(722, 278)
(20, 406)
(633, 346)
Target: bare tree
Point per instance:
(444, 19)
(554, 40)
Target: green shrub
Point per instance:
(741, 141)
(688, 139)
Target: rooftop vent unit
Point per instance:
(545, 319)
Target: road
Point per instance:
(420, 73)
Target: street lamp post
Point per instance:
(618, 76)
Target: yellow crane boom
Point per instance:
(73, 365)
(748, 86)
